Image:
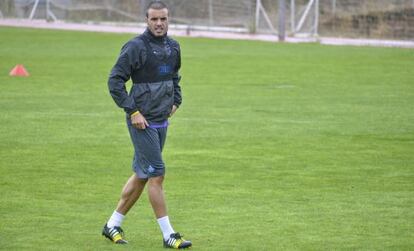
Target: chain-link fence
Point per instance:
(386, 19)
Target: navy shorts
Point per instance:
(148, 145)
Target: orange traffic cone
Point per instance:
(19, 71)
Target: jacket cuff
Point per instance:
(130, 112)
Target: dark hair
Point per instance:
(156, 5)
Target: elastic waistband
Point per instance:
(159, 125)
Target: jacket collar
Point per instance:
(153, 38)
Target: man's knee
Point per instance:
(133, 185)
(156, 181)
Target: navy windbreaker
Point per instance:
(152, 63)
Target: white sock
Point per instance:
(115, 220)
(166, 227)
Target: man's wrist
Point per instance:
(135, 113)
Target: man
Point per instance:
(152, 60)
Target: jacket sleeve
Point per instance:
(128, 60)
(176, 80)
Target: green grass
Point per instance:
(276, 146)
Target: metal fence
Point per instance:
(384, 19)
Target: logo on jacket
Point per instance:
(164, 69)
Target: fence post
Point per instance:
(256, 21)
(282, 15)
(316, 18)
(292, 16)
(210, 12)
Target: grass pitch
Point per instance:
(276, 146)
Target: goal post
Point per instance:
(294, 18)
(305, 18)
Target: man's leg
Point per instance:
(130, 194)
(156, 197)
(148, 145)
(157, 200)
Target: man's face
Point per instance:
(157, 21)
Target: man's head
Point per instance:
(157, 18)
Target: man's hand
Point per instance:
(174, 108)
(138, 121)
